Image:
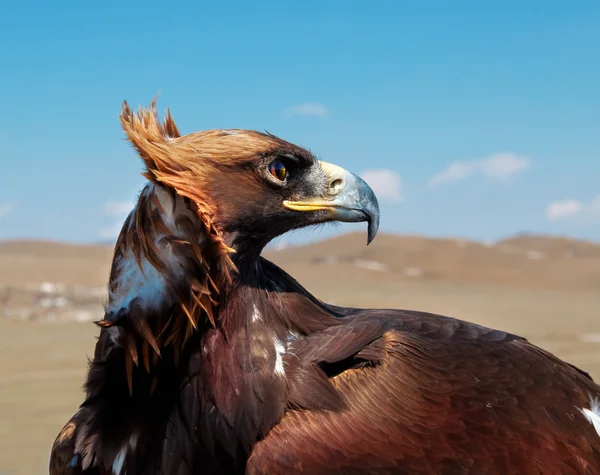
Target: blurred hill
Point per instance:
(49, 280)
(31, 262)
(532, 261)
(527, 261)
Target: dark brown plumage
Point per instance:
(213, 360)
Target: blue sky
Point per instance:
(469, 118)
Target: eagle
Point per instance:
(212, 360)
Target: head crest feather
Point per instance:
(151, 138)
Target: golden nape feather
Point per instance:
(172, 162)
(213, 360)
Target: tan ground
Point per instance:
(547, 290)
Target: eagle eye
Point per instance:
(278, 169)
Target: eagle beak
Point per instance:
(348, 199)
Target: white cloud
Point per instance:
(117, 211)
(504, 165)
(595, 205)
(570, 208)
(311, 109)
(563, 209)
(5, 208)
(455, 172)
(110, 232)
(118, 208)
(387, 184)
(499, 166)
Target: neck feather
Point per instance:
(168, 272)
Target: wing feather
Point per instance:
(444, 396)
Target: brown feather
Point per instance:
(436, 403)
(153, 385)
(189, 316)
(129, 374)
(132, 349)
(146, 355)
(143, 329)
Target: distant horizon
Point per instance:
(315, 239)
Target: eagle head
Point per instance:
(252, 186)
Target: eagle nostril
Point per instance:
(336, 186)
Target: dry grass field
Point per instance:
(545, 289)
